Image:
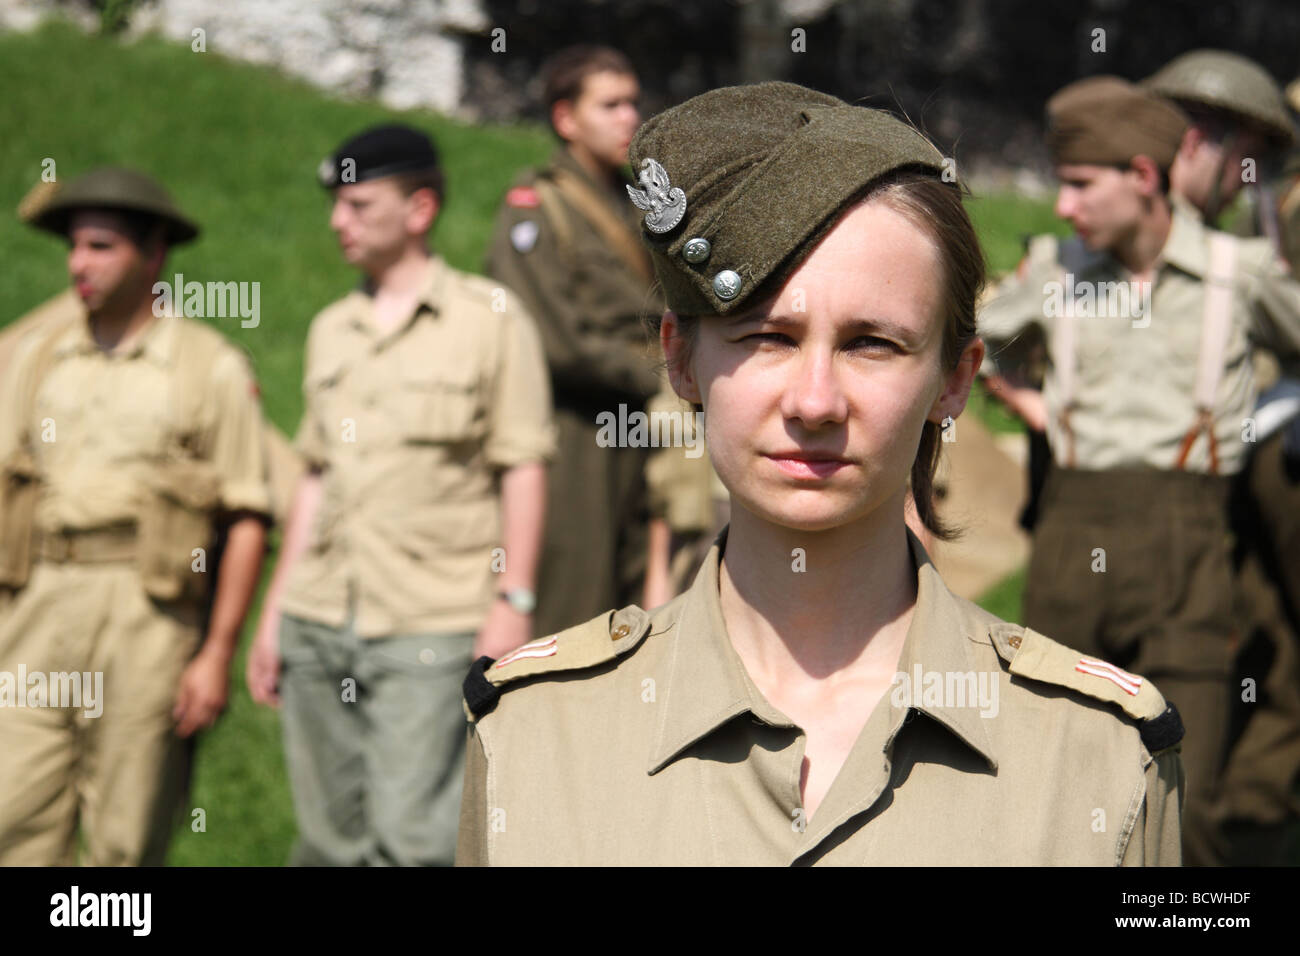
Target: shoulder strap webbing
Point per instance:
(614, 231)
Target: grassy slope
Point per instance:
(238, 147)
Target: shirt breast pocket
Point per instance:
(442, 407)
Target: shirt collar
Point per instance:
(429, 299)
(708, 685)
(1186, 247)
(155, 343)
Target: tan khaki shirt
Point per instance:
(100, 419)
(412, 429)
(639, 739)
(1136, 375)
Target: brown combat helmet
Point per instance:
(111, 187)
(1227, 82)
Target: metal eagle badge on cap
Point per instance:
(664, 202)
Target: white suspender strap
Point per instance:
(1064, 348)
(1217, 318)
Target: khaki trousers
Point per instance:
(1162, 607)
(374, 734)
(119, 775)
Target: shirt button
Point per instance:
(1014, 641)
(621, 631)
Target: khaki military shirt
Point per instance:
(640, 739)
(64, 309)
(411, 429)
(1136, 373)
(587, 299)
(100, 420)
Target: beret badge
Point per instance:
(665, 204)
(327, 173)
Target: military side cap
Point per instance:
(1229, 82)
(111, 187)
(378, 152)
(1106, 121)
(739, 183)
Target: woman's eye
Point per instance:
(875, 343)
(775, 337)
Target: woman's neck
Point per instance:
(817, 603)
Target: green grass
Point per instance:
(238, 147)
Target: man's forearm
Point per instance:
(241, 566)
(523, 518)
(297, 533)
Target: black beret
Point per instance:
(377, 152)
(740, 183)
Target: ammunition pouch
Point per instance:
(19, 489)
(176, 529)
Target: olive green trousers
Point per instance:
(374, 736)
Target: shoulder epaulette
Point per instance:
(586, 645)
(1037, 657)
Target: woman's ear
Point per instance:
(677, 356)
(956, 389)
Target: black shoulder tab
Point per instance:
(1161, 733)
(480, 693)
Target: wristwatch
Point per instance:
(521, 599)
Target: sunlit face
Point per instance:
(108, 270)
(1201, 159)
(604, 118)
(1102, 203)
(374, 220)
(814, 402)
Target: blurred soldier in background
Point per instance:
(565, 241)
(689, 505)
(126, 440)
(1239, 125)
(284, 464)
(426, 428)
(1144, 402)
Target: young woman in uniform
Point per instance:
(817, 696)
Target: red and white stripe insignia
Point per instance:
(546, 647)
(523, 197)
(1130, 683)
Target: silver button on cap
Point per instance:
(696, 250)
(726, 285)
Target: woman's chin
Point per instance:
(810, 512)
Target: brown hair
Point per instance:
(564, 73)
(936, 208)
(430, 178)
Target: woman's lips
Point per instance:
(797, 467)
